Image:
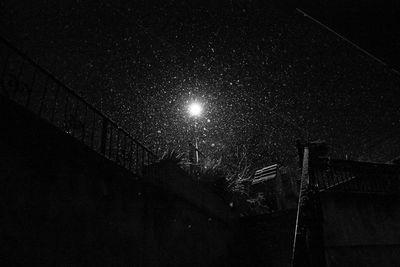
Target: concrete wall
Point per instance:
(361, 229)
(62, 204)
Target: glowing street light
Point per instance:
(195, 109)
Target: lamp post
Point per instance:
(195, 109)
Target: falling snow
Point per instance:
(265, 76)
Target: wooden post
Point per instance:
(308, 248)
(300, 257)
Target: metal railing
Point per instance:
(348, 176)
(25, 82)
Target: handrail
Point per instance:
(356, 177)
(25, 82)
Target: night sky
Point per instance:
(371, 24)
(265, 74)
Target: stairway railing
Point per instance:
(25, 82)
(356, 177)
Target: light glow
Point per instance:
(195, 109)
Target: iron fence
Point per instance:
(25, 82)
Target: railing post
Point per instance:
(55, 103)
(3, 75)
(43, 96)
(110, 142)
(191, 159)
(142, 163)
(66, 119)
(117, 152)
(103, 136)
(130, 154)
(84, 124)
(31, 88)
(16, 89)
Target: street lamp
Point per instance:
(195, 109)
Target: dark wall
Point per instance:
(361, 229)
(264, 240)
(63, 204)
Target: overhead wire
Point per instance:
(362, 50)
